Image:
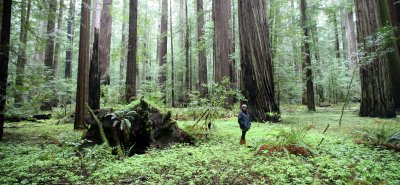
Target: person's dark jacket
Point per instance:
(244, 120)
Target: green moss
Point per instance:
(27, 156)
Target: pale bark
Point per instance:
(105, 41)
(70, 37)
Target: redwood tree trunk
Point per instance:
(124, 54)
(376, 95)
(105, 41)
(307, 58)
(222, 9)
(172, 58)
(82, 82)
(21, 61)
(163, 47)
(394, 6)
(4, 58)
(57, 39)
(394, 57)
(51, 26)
(202, 49)
(70, 34)
(256, 61)
(94, 75)
(131, 72)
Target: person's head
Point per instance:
(244, 107)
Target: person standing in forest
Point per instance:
(244, 122)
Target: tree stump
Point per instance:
(136, 130)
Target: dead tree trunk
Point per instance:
(131, 72)
(70, 36)
(94, 75)
(4, 57)
(83, 62)
(256, 62)
(105, 41)
(137, 129)
(376, 96)
(21, 61)
(202, 50)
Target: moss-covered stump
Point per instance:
(137, 129)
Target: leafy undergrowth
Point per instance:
(46, 153)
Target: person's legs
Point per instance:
(243, 138)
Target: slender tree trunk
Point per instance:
(202, 50)
(233, 72)
(222, 9)
(94, 75)
(105, 41)
(51, 25)
(57, 39)
(21, 61)
(307, 58)
(345, 39)
(337, 43)
(163, 47)
(131, 72)
(124, 42)
(187, 63)
(172, 58)
(4, 58)
(319, 87)
(376, 95)
(70, 32)
(83, 62)
(352, 40)
(258, 81)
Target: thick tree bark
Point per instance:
(70, 36)
(94, 74)
(172, 57)
(105, 41)
(51, 26)
(393, 57)
(21, 61)
(57, 39)
(131, 72)
(256, 61)
(394, 6)
(376, 96)
(345, 39)
(4, 58)
(307, 58)
(163, 47)
(202, 50)
(82, 82)
(222, 9)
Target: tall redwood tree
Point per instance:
(4, 58)
(131, 72)
(256, 61)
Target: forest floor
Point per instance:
(47, 153)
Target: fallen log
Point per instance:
(135, 130)
(33, 118)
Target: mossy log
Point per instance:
(137, 129)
